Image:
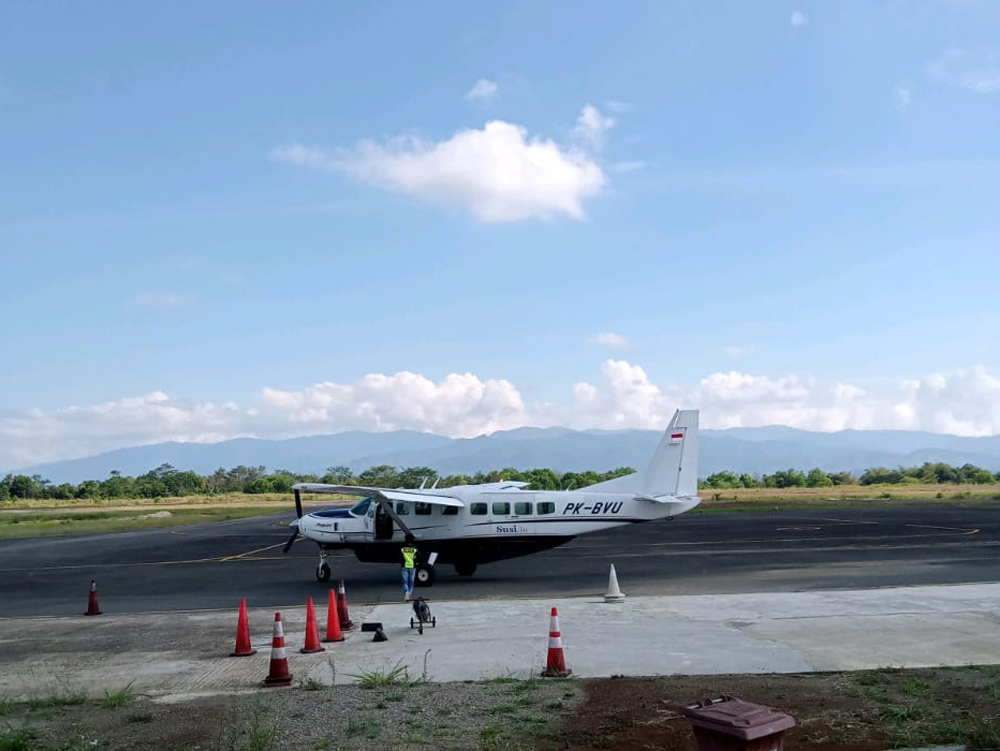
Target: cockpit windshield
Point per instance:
(361, 507)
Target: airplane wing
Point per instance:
(380, 493)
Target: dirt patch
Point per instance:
(865, 711)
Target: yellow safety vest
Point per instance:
(409, 556)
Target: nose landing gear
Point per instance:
(323, 569)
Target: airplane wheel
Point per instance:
(465, 568)
(434, 622)
(424, 576)
(411, 623)
(323, 572)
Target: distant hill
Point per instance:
(753, 450)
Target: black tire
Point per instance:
(411, 623)
(465, 567)
(424, 575)
(323, 572)
(434, 622)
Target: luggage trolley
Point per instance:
(423, 612)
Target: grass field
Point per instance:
(52, 522)
(846, 496)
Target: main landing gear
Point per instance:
(465, 567)
(323, 569)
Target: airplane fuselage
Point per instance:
(494, 523)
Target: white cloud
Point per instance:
(738, 351)
(609, 339)
(964, 402)
(498, 173)
(34, 436)
(150, 299)
(901, 97)
(798, 19)
(460, 405)
(974, 70)
(484, 90)
(592, 127)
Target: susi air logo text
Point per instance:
(510, 529)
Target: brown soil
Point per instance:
(866, 711)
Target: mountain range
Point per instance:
(754, 450)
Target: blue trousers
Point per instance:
(407, 578)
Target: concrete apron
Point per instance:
(174, 656)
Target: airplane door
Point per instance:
(383, 524)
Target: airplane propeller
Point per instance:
(294, 524)
(291, 540)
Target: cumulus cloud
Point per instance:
(963, 402)
(592, 127)
(36, 435)
(460, 405)
(609, 339)
(977, 71)
(484, 90)
(798, 19)
(498, 173)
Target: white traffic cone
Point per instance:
(614, 594)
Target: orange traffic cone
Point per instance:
(312, 631)
(278, 675)
(332, 621)
(556, 663)
(345, 619)
(92, 606)
(243, 646)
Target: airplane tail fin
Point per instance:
(673, 470)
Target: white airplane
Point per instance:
(466, 525)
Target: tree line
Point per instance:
(929, 473)
(167, 481)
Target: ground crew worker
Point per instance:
(409, 557)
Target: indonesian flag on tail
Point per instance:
(676, 437)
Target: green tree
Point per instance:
(339, 475)
(817, 478)
(381, 476)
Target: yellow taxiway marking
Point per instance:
(249, 552)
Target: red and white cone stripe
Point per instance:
(278, 675)
(278, 641)
(556, 662)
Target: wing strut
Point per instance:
(387, 505)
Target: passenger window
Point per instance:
(402, 509)
(522, 508)
(477, 509)
(449, 510)
(501, 508)
(545, 507)
(421, 509)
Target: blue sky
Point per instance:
(220, 219)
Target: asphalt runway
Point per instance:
(213, 566)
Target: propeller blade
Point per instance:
(291, 540)
(298, 504)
